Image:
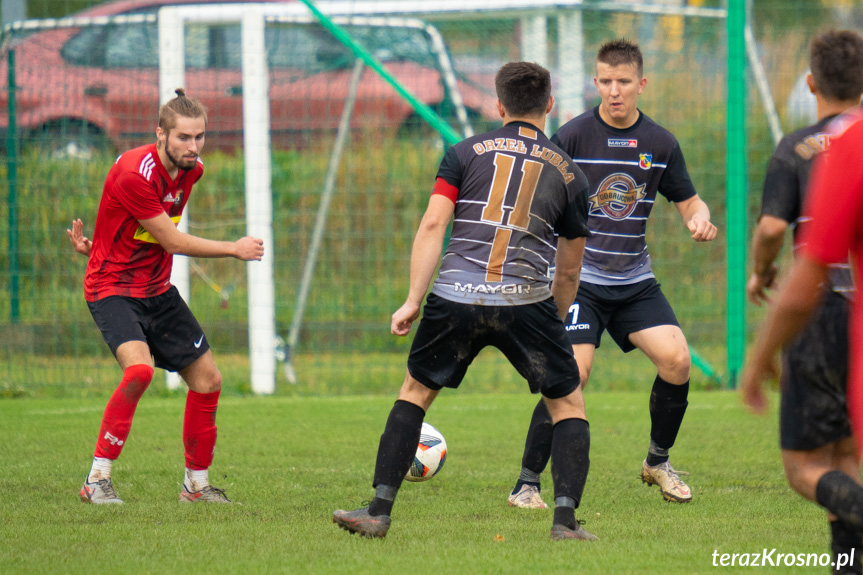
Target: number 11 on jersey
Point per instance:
(519, 217)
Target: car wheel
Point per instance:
(69, 139)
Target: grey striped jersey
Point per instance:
(785, 187)
(625, 169)
(516, 193)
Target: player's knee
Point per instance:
(136, 379)
(845, 450)
(803, 470)
(415, 392)
(675, 368)
(208, 381)
(844, 457)
(140, 373)
(566, 407)
(216, 381)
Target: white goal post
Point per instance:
(256, 145)
(256, 150)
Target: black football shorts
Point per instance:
(531, 336)
(620, 309)
(814, 404)
(164, 322)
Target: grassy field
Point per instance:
(321, 374)
(291, 461)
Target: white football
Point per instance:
(430, 456)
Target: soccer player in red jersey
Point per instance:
(827, 474)
(141, 315)
(815, 433)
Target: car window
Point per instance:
(300, 47)
(222, 47)
(136, 46)
(313, 49)
(197, 46)
(309, 48)
(132, 46)
(391, 44)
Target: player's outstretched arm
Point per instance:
(766, 244)
(794, 305)
(80, 242)
(425, 256)
(174, 241)
(696, 216)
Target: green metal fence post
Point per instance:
(736, 188)
(12, 199)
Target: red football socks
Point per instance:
(199, 429)
(117, 420)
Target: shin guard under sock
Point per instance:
(570, 458)
(199, 429)
(117, 420)
(667, 406)
(537, 446)
(398, 444)
(842, 496)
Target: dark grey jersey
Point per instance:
(516, 193)
(625, 169)
(787, 179)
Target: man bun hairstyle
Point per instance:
(619, 52)
(524, 89)
(181, 105)
(836, 63)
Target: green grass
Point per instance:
(321, 373)
(291, 461)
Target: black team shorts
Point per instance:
(164, 322)
(621, 310)
(531, 336)
(814, 404)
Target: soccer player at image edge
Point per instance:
(818, 450)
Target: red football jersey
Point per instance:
(835, 206)
(125, 259)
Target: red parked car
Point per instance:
(92, 86)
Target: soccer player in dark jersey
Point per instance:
(141, 315)
(512, 196)
(627, 158)
(818, 450)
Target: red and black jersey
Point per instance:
(835, 212)
(125, 259)
(514, 192)
(786, 182)
(625, 169)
